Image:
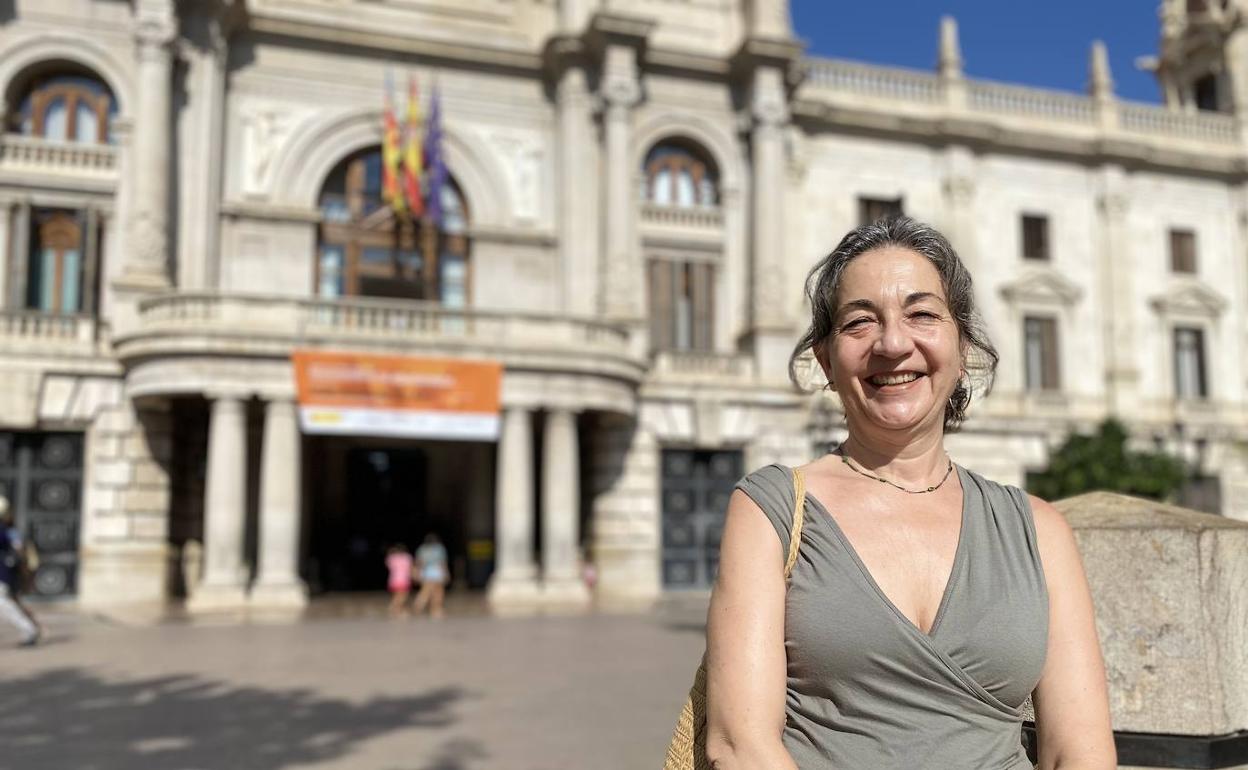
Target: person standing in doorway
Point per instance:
(431, 561)
(11, 563)
(399, 563)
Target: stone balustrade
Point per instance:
(727, 368)
(1007, 99)
(33, 154)
(291, 321)
(878, 82)
(33, 331)
(846, 83)
(691, 217)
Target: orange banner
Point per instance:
(397, 395)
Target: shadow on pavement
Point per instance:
(69, 718)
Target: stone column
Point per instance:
(1118, 308)
(561, 508)
(278, 583)
(620, 289)
(225, 508)
(146, 264)
(515, 573)
(578, 172)
(772, 294)
(19, 254)
(770, 19)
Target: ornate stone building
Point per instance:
(191, 194)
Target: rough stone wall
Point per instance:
(126, 505)
(626, 518)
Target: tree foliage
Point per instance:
(1103, 462)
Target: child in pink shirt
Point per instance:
(399, 562)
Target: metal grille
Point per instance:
(41, 475)
(696, 486)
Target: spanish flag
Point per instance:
(413, 167)
(391, 155)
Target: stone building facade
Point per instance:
(189, 195)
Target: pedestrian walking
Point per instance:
(399, 564)
(11, 574)
(431, 569)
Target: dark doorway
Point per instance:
(385, 505)
(696, 488)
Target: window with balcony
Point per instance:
(1190, 380)
(682, 305)
(66, 107)
(1035, 237)
(872, 210)
(368, 249)
(680, 175)
(1040, 354)
(1182, 251)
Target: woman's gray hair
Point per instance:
(825, 279)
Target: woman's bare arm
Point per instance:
(745, 658)
(1072, 700)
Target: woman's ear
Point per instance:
(821, 355)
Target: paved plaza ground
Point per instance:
(347, 687)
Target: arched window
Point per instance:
(367, 249)
(67, 108)
(55, 273)
(680, 175)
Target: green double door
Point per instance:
(41, 476)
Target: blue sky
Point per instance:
(1033, 42)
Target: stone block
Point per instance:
(142, 446)
(117, 420)
(112, 473)
(110, 526)
(1172, 612)
(150, 474)
(123, 573)
(106, 446)
(137, 499)
(149, 527)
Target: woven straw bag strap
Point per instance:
(799, 515)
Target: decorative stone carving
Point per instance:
(265, 133)
(522, 154)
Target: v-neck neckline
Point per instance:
(866, 573)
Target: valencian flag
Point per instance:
(435, 164)
(391, 154)
(412, 163)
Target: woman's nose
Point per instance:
(894, 340)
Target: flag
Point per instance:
(390, 153)
(412, 165)
(435, 164)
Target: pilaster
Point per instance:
(618, 42)
(1117, 287)
(147, 261)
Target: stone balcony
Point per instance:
(195, 342)
(27, 156)
(46, 335)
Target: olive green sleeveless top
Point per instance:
(866, 689)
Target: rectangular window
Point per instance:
(682, 305)
(874, 209)
(61, 261)
(1183, 251)
(1040, 353)
(1035, 237)
(1190, 380)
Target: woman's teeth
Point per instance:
(894, 379)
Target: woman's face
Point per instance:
(894, 355)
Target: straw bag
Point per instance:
(687, 751)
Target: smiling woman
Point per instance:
(924, 605)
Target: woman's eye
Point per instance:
(855, 323)
(925, 314)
